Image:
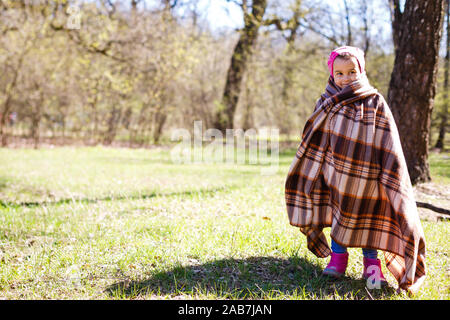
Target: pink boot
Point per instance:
(373, 273)
(338, 264)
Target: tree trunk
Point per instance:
(444, 114)
(364, 16)
(159, 119)
(289, 68)
(247, 116)
(7, 105)
(239, 59)
(416, 33)
(349, 28)
(113, 121)
(36, 117)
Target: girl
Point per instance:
(350, 174)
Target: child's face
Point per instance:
(345, 71)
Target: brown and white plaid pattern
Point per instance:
(350, 174)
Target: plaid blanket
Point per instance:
(350, 174)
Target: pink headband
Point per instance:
(356, 52)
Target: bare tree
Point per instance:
(253, 17)
(349, 27)
(416, 34)
(444, 113)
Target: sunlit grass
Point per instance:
(104, 223)
(440, 167)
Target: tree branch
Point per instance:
(320, 33)
(275, 21)
(396, 21)
(349, 28)
(432, 207)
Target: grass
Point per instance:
(105, 223)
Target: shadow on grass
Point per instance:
(251, 278)
(3, 183)
(187, 193)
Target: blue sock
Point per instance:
(337, 248)
(370, 253)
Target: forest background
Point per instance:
(128, 72)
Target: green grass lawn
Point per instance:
(104, 223)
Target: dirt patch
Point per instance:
(435, 194)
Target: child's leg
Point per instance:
(336, 248)
(372, 269)
(338, 262)
(370, 253)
